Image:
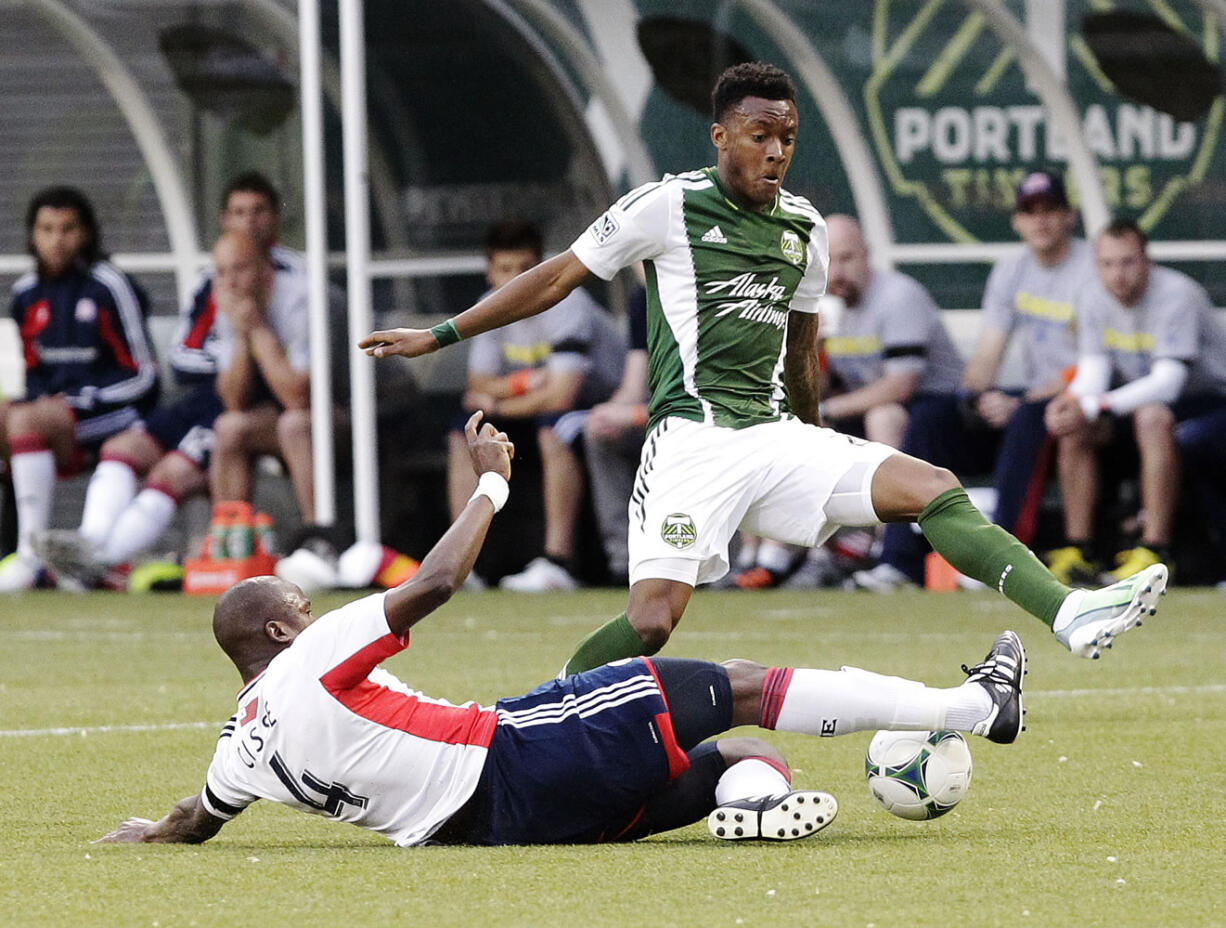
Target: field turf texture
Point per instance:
(1108, 810)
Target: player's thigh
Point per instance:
(576, 759)
(813, 480)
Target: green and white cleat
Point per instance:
(1089, 620)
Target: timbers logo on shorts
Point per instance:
(678, 530)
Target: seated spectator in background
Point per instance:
(170, 449)
(613, 442)
(891, 355)
(1151, 355)
(90, 365)
(1029, 298)
(528, 374)
(264, 379)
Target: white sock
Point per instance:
(139, 525)
(1068, 610)
(111, 488)
(830, 702)
(33, 488)
(747, 556)
(751, 778)
(774, 556)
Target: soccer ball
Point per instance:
(918, 774)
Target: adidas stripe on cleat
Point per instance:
(797, 814)
(1000, 673)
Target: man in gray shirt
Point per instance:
(897, 369)
(1152, 356)
(891, 351)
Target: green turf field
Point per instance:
(1107, 811)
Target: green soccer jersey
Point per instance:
(721, 281)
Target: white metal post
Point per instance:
(357, 248)
(314, 197)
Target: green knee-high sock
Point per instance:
(973, 545)
(614, 640)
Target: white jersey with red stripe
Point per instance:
(324, 730)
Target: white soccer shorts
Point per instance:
(697, 484)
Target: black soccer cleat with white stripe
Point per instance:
(797, 814)
(1000, 673)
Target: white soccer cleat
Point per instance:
(72, 557)
(793, 815)
(884, 578)
(1099, 616)
(310, 571)
(540, 576)
(17, 574)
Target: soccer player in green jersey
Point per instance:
(735, 266)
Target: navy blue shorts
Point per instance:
(186, 425)
(100, 423)
(576, 760)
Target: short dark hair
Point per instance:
(749, 79)
(73, 199)
(513, 235)
(1119, 228)
(251, 182)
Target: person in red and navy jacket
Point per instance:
(90, 365)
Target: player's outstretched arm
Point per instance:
(189, 822)
(532, 292)
(443, 570)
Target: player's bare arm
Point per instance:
(532, 292)
(236, 381)
(557, 391)
(983, 366)
(187, 823)
(892, 388)
(292, 388)
(801, 367)
(443, 570)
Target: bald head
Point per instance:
(241, 266)
(849, 273)
(257, 619)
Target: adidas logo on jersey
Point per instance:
(714, 236)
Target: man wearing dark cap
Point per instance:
(1030, 297)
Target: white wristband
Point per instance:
(494, 487)
(1091, 406)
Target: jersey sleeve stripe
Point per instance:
(349, 685)
(132, 324)
(216, 807)
(24, 282)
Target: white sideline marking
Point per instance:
(1133, 691)
(103, 729)
(178, 726)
